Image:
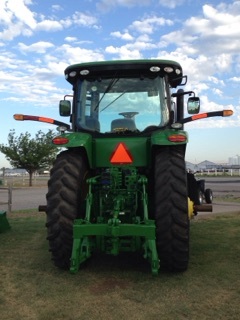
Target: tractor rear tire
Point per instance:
(67, 190)
(171, 208)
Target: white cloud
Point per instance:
(216, 81)
(19, 20)
(142, 45)
(203, 50)
(172, 4)
(215, 32)
(180, 38)
(150, 24)
(56, 7)
(83, 19)
(124, 36)
(197, 69)
(13, 31)
(5, 14)
(218, 92)
(124, 52)
(145, 38)
(49, 25)
(9, 62)
(40, 92)
(131, 50)
(70, 39)
(25, 88)
(198, 87)
(207, 105)
(57, 67)
(223, 62)
(235, 79)
(106, 5)
(145, 27)
(21, 12)
(38, 47)
(76, 55)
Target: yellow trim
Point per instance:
(190, 209)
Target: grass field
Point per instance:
(122, 287)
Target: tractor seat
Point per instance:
(123, 124)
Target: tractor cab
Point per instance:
(122, 97)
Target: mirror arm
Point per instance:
(223, 113)
(179, 94)
(67, 95)
(24, 117)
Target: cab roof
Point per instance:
(125, 68)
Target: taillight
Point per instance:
(177, 138)
(60, 140)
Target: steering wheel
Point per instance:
(128, 115)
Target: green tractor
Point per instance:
(121, 184)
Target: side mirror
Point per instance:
(193, 105)
(65, 108)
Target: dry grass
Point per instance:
(228, 198)
(121, 287)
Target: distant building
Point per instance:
(207, 165)
(191, 167)
(232, 161)
(204, 166)
(13, 172)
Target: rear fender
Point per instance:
(81, 141)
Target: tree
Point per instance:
(29, 153)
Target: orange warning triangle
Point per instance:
(121, 155)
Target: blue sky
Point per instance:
(40, 38)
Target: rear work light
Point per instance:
(177, 138)
(60, 140)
